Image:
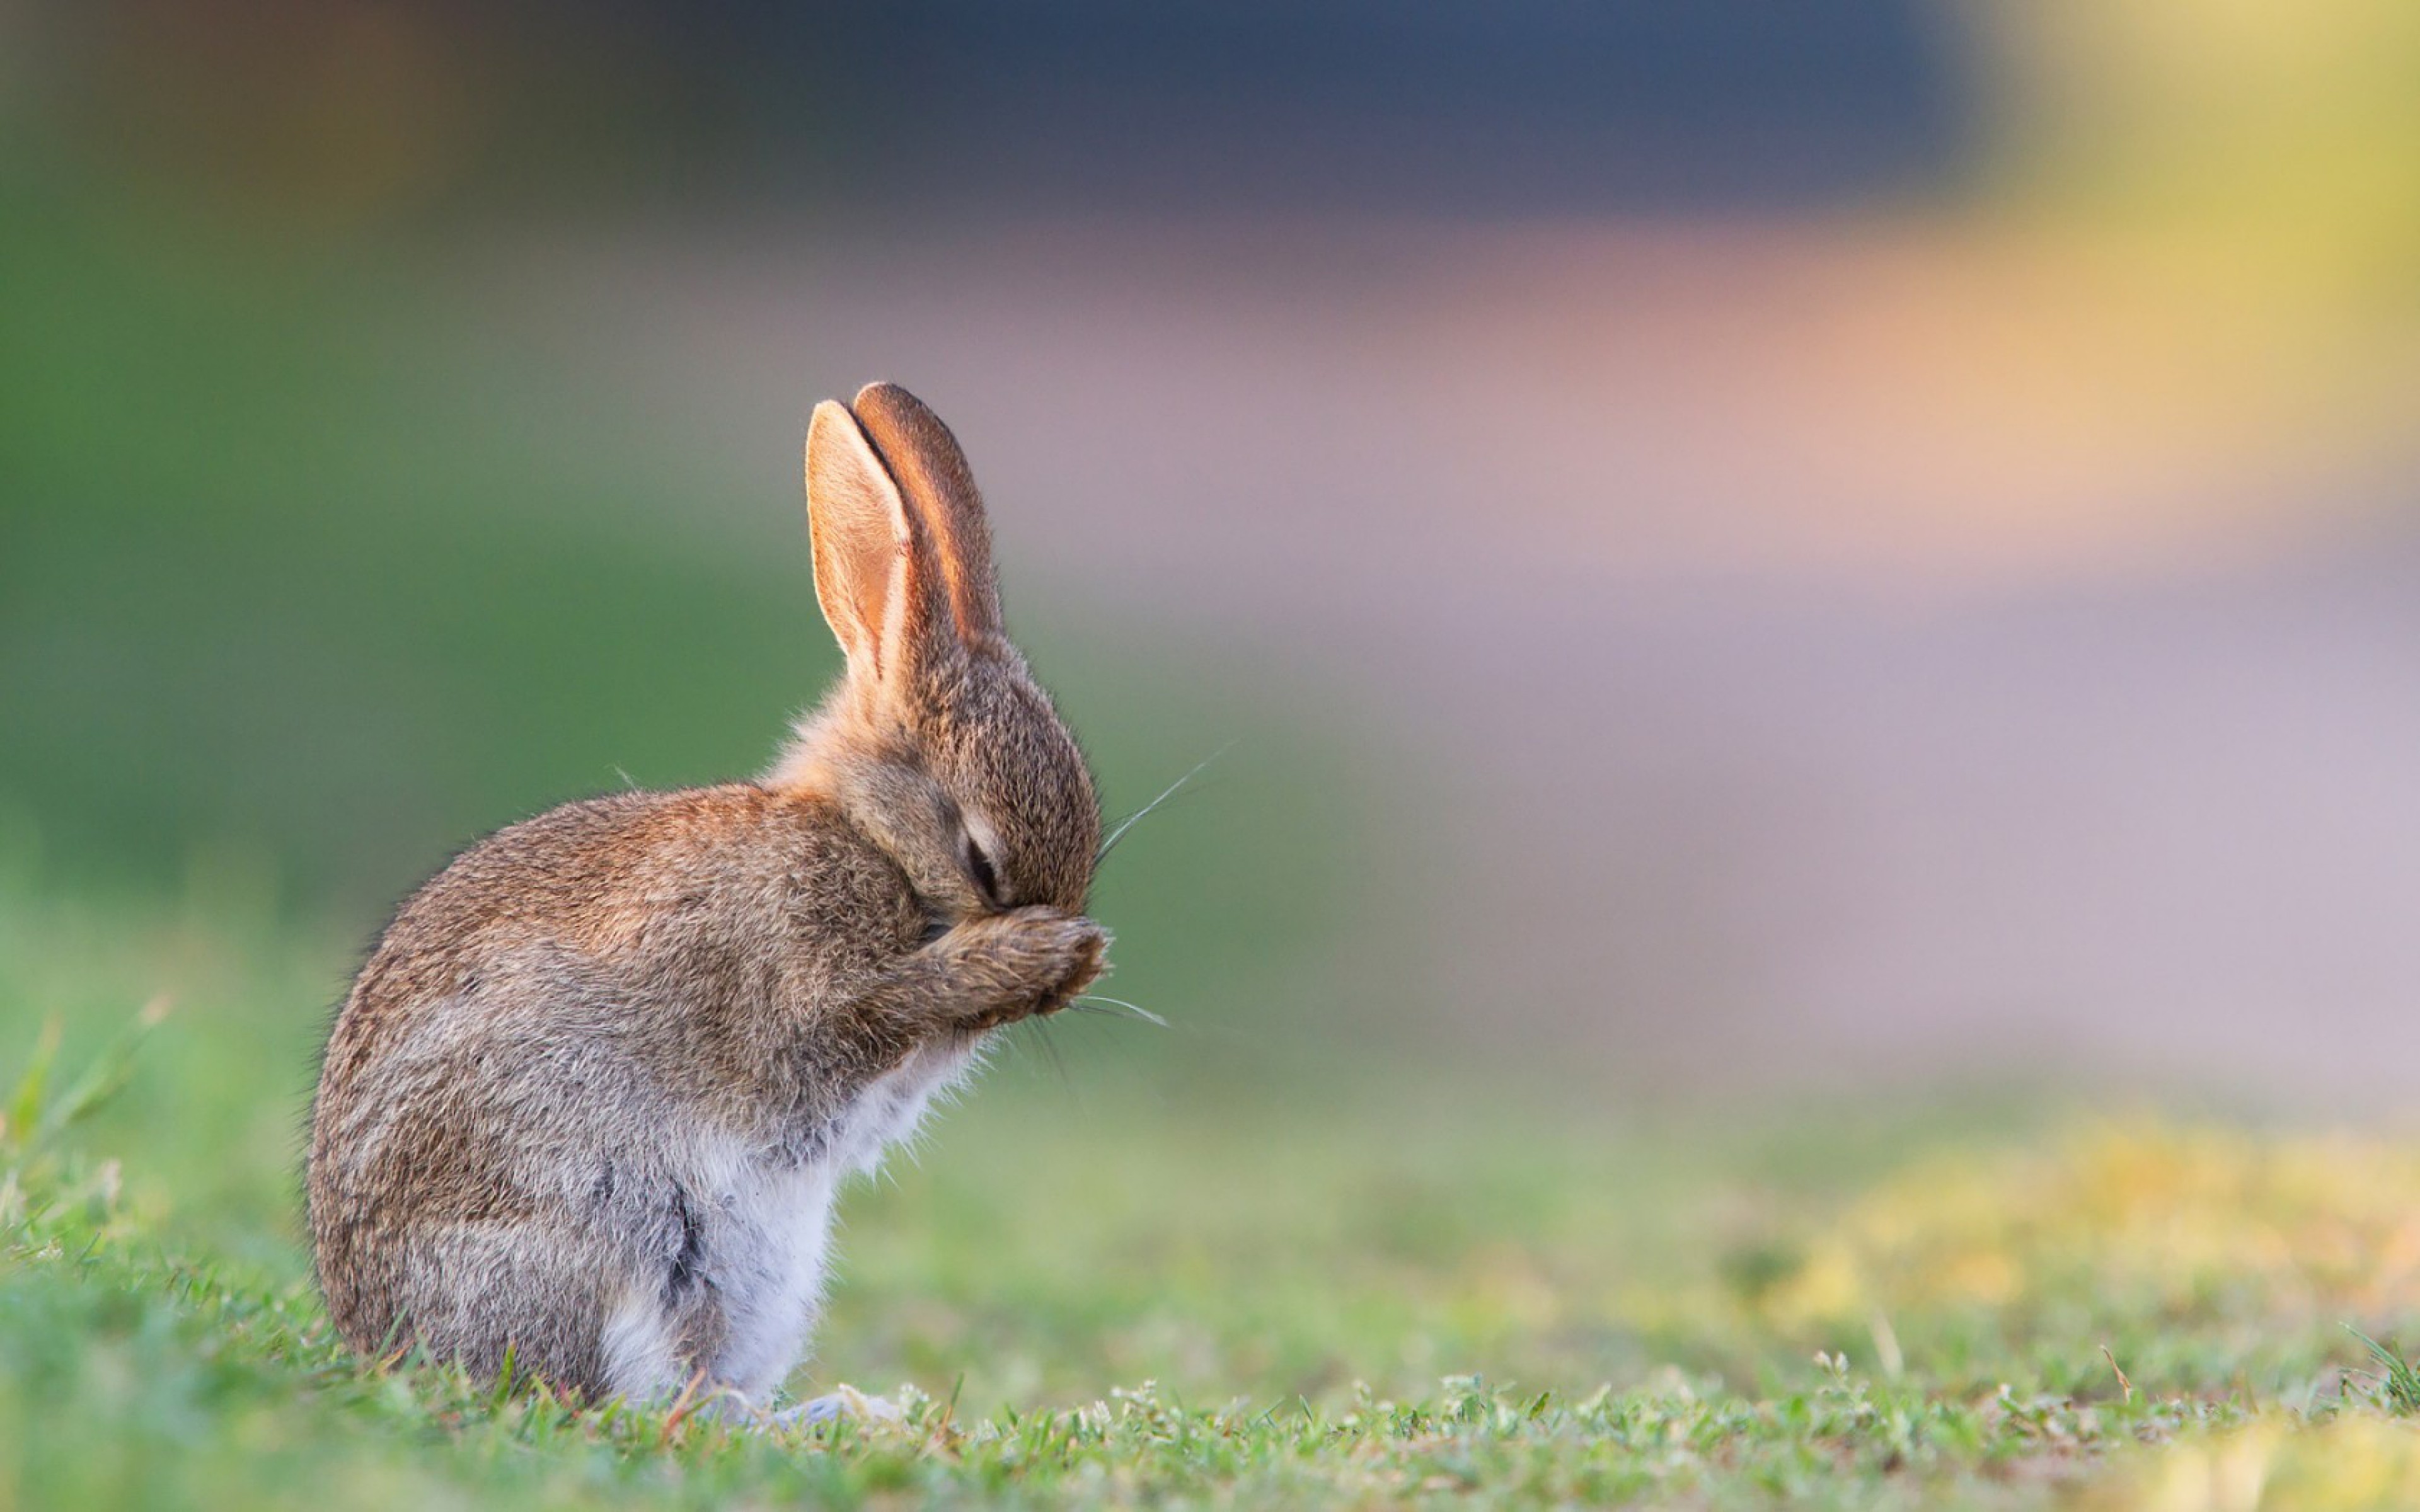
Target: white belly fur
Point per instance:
(768, 1236)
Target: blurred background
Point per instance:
(1731, 548)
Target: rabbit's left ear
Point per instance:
(939, 491)
(867, 549)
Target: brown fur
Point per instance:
(503, 1140)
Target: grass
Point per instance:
(1093, 1288)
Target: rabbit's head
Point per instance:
(937, 743)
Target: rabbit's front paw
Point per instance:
(1032, 961)
(1074, 961)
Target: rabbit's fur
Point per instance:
(588, 1102)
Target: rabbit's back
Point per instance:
(659, 921)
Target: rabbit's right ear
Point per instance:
(865, 546)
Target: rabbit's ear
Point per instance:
(940, 492)
(866, 546)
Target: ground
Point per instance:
(1094, 1288)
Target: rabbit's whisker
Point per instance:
(1101, 1011)
(1096, 1003)
(1118, 833)
(1041, 1036)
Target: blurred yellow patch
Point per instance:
(2352, 1462)
(2156, 1219)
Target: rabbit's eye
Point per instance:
(980, 868)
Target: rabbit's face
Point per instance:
(972, 785)
(1030, 818)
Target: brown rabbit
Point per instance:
(590, 1099)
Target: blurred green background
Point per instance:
(309, 581)
(401, 398)
(401, 404)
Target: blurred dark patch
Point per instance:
(1570, 106)
(1546, 108)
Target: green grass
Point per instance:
(1290, 1287)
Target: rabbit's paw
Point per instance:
(848, 1402)
(1032, 961)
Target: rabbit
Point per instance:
(584, 1113)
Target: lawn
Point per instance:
(306, 577)
(1100, 1288)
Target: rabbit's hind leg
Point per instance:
(511, 1298)
(639, 1351)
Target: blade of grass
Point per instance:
(105, 1075)
(26, 1104)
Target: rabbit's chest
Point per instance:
(768, 1260)
(889, 1109)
